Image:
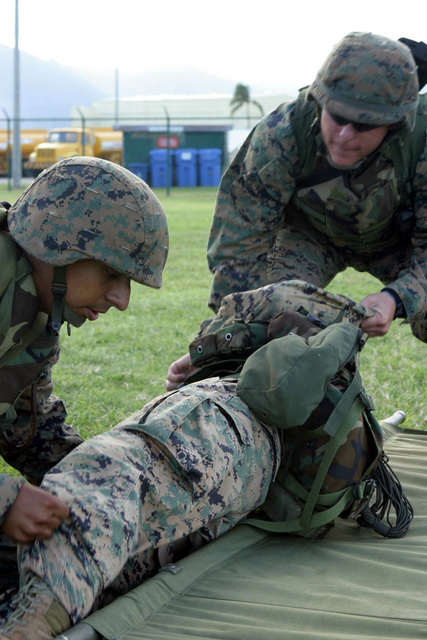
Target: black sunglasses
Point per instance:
(361, 127)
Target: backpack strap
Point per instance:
(339, 424)
(305, 127)
(419, 51)
(406, 149)
(9, 255)
(34, 332)
(9, 260)
(380, 479)
(9, 273)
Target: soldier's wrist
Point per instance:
(400, 309)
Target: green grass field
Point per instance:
(111, 367)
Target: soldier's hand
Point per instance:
(179, 371)
(34, 515)
(384, 307)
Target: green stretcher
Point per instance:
(252, 585)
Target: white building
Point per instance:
(209, 109)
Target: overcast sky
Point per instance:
(250, 42)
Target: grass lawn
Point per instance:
(111, 367)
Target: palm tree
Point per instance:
(242, 96)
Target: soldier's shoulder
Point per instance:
(278, 123)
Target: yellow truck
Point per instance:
(75, 141)
(30, 138)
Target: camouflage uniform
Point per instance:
(26, 398)
(284, 212)
(191, 463)
(185, 469)
(80, 208)
(26, 387)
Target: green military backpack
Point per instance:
(294, 350)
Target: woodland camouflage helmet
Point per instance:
(84, 208)
(368, 78)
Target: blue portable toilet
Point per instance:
(186, 167)
(158, 165)
(210, 167)
(140, 169)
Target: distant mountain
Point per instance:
(48, 90)
(156, 81)
(178, 81)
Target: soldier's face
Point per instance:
(93, 288)
(345, 144)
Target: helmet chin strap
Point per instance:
(71, 317)
(59, 286)
(60, 311)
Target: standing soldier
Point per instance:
(69, 248)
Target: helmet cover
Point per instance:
(370, 79)
(90, 208)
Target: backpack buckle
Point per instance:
(367, 400)
(362, 493)
(364, 489)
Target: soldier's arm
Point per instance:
(53, 438)
(9, 489)
(178, 372)
(34, 515)
(250, 206)
(27, 512)
(384, 306)
(411, 284)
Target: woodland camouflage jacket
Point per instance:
(33, 434)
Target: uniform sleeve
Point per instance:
(250, 206)
(411, 284)
(53, 438)
(9, 488)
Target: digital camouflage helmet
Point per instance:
(369, 78)
(88, 208)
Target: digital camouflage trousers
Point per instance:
(188, 466)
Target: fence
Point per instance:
(173, 131)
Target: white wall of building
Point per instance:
(189, 109)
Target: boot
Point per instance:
(33, 613)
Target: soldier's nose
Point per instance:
(119, 295)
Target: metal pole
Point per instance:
(8, 155)
(167, 151)
(83, 132)
(16, 158)
(117, 96)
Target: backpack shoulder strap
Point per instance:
(339, 424)
(305, 127)
(8, 274)
(406, 150)
(8, 257)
